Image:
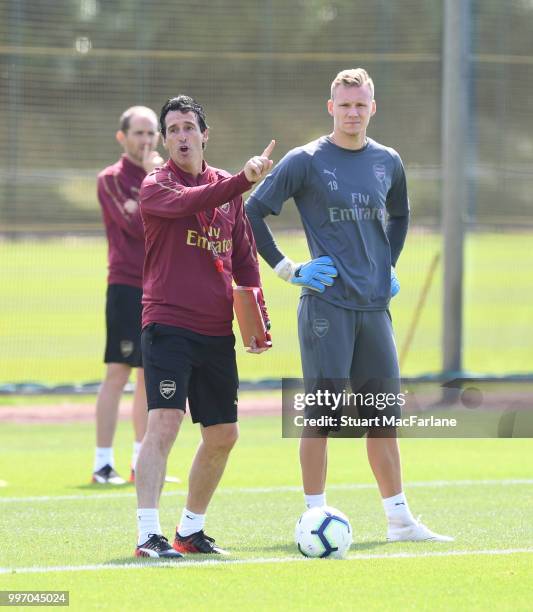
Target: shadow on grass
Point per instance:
(171, 485)
(276, 548)
(290, 547)
(360, 546)
(189, 559)
(287, 550)
(104, 488)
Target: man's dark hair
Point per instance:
(183, 104)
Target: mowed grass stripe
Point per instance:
(266, 560)
(281, 489)
(48, 338)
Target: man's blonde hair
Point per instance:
(355, 77)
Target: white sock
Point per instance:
(397, 510)
(135, 455)
(147, 523)
(315, 501)
(190, 523)
(103, 456)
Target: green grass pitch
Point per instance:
(52, 309)
(79, 537)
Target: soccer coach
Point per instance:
(197, 240)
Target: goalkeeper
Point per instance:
(351, 194)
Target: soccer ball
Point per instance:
(323, 532)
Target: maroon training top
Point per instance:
(125, 236)
(182, 286)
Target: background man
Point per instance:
(197, 241)
(118, 193)
(345, 185)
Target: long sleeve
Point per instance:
(163, 196)
(112, 199)
(266, 244)
(285, 180)
(244, 262)
(398, 211)
(396, 232)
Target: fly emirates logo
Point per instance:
(209, 239)
(361, 210)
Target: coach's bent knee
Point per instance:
(221, 438)
(164, 423)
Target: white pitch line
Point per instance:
(282, 489)
(279, 489)
(211, 563)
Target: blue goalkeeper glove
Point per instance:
(316, 274)
(394, 283)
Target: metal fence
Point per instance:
(68, 68)
(262, 69)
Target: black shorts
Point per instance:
(181, 364)
(123, 314)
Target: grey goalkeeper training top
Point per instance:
(354, 208)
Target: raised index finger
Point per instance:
(269, 149)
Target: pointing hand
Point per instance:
(259, 166)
